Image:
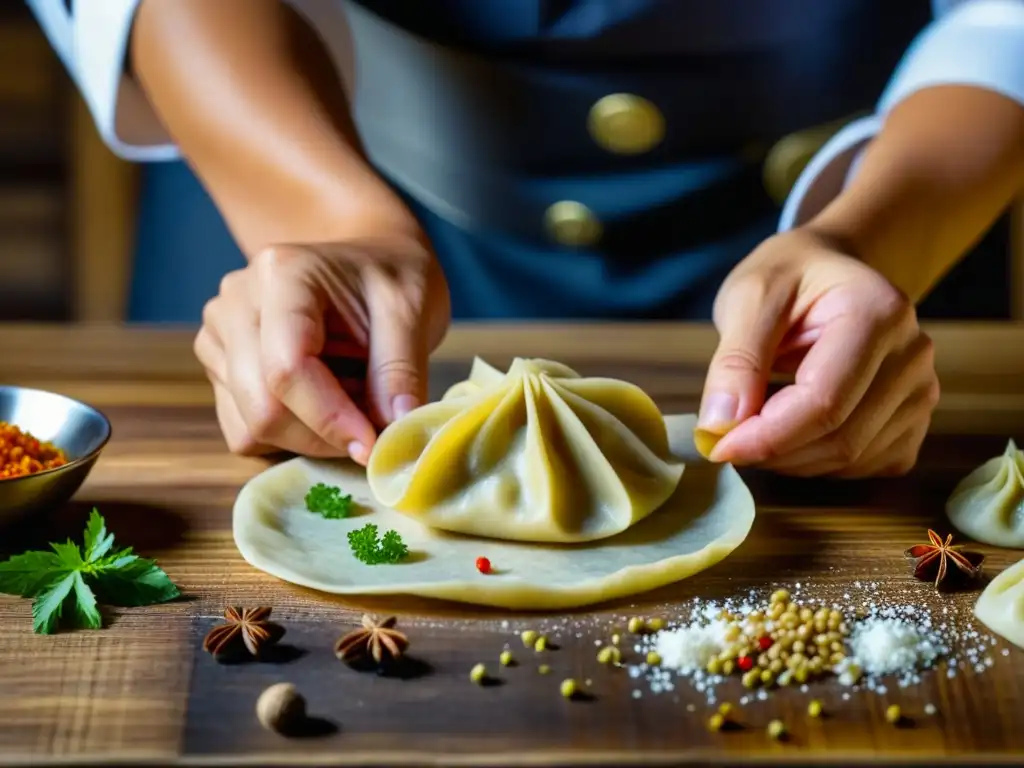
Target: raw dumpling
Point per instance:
(537, 454)
(1001, 606)
(988, 504)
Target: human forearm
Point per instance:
(256, 107)
(948, 162)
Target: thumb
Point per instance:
(751, 325)
(398, 355)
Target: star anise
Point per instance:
(378, 640)
(931, 561)
(244, 628)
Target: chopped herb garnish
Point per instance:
(373, 549)
(65, 583)
(328, 501)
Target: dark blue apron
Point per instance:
(572, 159)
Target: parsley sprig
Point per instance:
(66, 582)
(371, 548)
(328, 501)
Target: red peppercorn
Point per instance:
(764, 642)
(745, 663)
(483, 565)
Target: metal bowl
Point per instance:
(79, 430)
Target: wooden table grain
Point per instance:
(141, 689)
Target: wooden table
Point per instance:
(142, 689)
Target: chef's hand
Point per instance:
(865, 383)
(265, 335)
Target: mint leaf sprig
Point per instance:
(67, 584)
(373, 549)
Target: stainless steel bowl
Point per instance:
(76, 428)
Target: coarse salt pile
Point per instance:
(690, 648)
(886, 646)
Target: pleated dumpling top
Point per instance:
(536, 454)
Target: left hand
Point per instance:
(865, 384)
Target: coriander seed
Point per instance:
(714, 666)
(894, 714)
(780, 596)
(541, 644)
(568, 688)
(635, 625)
(615, 639)
(280, 708)
(543, 669)
(726, 710)
(529, 637)
(767, 677)
(814, 708)
(751, 679)
(728, 667)
(505, 658)
(609, 655)
(656, 625)
(716, 723)
(653, 658)
(776, 730)
(478, 674)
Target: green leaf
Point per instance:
(69, 555)
(86, 612)
(97, 539)
(328, 501)
(49, 604)
(371, 549)
(26, 574)
(141, 582)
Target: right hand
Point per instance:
(264, 336)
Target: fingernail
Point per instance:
(357, 452)
(403, 404)
(718, 411)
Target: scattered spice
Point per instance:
(541, 644)
(615, 639)
(776, 730)
(655, 625)
(893, 714)
(636, 625)
(328, 501)
(885, 646)
(377, 640)
(248, 628)
(745, 663)
(543, 669)
(506, 658)
(716, 722)
(931, 561)
(22, 454)
(726, 710)
(483, 565)
(478, 674)
(929, 709)
(529, 637)
(281, 708)
(814, 708)
(653, 658)
(568, 688)
(609, 655)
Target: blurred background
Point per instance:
(68, 208)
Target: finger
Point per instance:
(292, 336)
(265, 420)
(210, 355)
(885, 449)
(751, 320)
(899, 378)
(832, 379)
(398, 359)
(896, 448)
(232, 425)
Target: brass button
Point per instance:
(573, 224)
(789, 157)
(626, 124)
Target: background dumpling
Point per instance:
(1000, 606)
(988, 504)
(536, 454)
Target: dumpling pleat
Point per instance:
(629, 404)
(588, 466)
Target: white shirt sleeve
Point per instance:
(971, 42)
(92, 42)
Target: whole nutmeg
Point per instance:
(281, 708)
